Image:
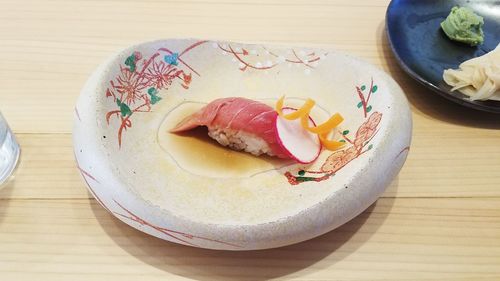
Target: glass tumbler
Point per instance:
(9, 151)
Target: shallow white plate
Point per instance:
(187, 189)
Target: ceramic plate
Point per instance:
(189, 190)
(424, 51)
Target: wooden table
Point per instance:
(439, 220)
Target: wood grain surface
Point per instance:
(439, 219)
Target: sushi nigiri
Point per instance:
(238, 123)
(254, 127)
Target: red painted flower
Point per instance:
(367, 129)
(160, 75)
(291, 179)
(129, 86)
(339, 159)
(187, 78)
(137, 56)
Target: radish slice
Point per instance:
(301, 144)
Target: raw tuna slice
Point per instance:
(240, 124)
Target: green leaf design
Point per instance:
(152, 92)
(345, 132)
(124, 109)
(155, 99)
(363, 88)
(303, 179)
(130, 62)
(370, 146)
(301, 172)
(341, 140)
(374, 88)
(360, 104)
(369, 108)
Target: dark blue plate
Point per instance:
(423, 50)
